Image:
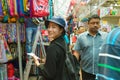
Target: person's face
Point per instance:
(75, 30)
(81, 30)
(54, 31)
(104, 29)
(94, 25)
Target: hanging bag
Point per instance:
(39, 8)
(1, 11)
(5, 11)
(7, 51)
(3, 57)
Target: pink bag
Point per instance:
(39, 8)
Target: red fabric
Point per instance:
(10, 70)
(74, 38)
(44, 32)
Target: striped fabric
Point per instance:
(109, 57)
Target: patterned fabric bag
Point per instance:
(39, 8)
(3, 57)
(5, 54)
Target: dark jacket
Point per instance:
(55, 60)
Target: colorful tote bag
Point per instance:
(5, 54)
(3, 57)
(39, 8)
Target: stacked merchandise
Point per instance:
(10, 32)
(110, 17)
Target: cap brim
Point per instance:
(47, 23)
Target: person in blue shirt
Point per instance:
(109, 57)
(87, 46)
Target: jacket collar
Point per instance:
(59, 39)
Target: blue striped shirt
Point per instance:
(109, 57)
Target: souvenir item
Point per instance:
(39, 8)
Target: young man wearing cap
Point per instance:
(55, 55)
(87, 46)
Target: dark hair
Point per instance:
(95, 16)
(63, 33)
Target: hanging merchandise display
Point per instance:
(11, 7)
(10, 33)
(61, 7)
(13, 33)
(20, 7)
(5, 54)
(39, 8)
(50, 9)
(3, 57)
(1, 10)
(25, 2)
(5, 7)
(5, 11)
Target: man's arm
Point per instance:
(76, 54)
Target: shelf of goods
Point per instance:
(111, 16)
(90, 8)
